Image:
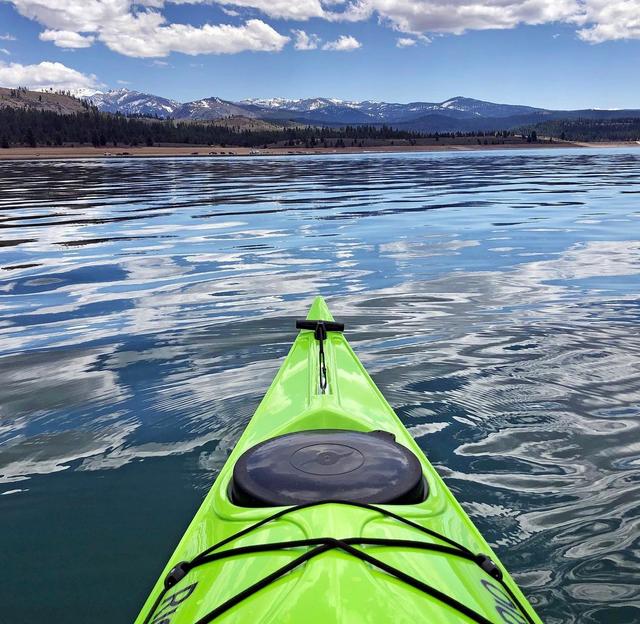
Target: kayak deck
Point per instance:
(342, 583)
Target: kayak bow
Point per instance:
(327, 511)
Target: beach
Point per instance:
(35, 153)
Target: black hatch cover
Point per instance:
(328, 464)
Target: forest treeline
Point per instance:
(590, 130)
(38, 128)
(33, 128)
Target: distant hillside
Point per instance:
(45, 101)
(210, 108)
(444, 123)
(129, 102)
(133, 103)
(240, 123)
(458, 114)
(329, 111)
(454, 116)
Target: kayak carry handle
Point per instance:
(314, 325)
(320, 329)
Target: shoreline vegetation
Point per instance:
(159, 151)
(33, 125)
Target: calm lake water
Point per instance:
(145, 306)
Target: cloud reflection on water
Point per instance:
(515, 364)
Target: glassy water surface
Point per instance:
(145, 306)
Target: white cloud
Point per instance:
(5, 51)
(601, 20)
(143, 32)
(310, 41)
(444, 16)
(7, 37)
(74, 15)
(137, 28)
(344, 43)
(67, 38)
(146, 35)
(304, 41)
(405, 42)
(44, 75)
(609, 20)
(281, 9)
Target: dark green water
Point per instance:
(145, 306)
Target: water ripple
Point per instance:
(145, 306)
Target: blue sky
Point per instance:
(549, 53)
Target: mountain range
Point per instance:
(458, 114)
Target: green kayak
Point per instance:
(327, 511)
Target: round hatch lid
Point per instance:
(327, 464)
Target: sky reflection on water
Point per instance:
(145, 306)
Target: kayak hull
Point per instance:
(335, 585)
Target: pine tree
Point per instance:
(30, 138)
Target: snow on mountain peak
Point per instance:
(80, 92)
(311, 110)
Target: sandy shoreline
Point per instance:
(46, 153)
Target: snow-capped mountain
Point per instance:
(486, 109)
(455, 114)
(325, 110)
(84, 92)
(300, 105)
(458, 107)
(130, 102)
(210, 108)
